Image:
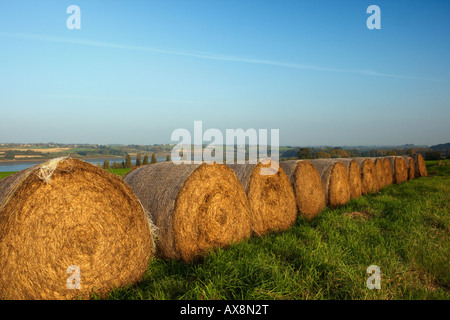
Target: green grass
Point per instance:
(5, 174)
(404, 230)
(120, 172)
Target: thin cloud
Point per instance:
(202, 55)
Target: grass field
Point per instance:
(404, 229)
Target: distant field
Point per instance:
(43, 150)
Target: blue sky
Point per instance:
(138, 70)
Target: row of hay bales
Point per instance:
(67, 212)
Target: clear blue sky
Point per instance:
(138, 70)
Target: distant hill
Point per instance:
(442, 146)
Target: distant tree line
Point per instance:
(128, 163)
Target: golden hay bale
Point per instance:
(64, 213)
(196, 207)
(388, 175)
(369, 182)
(379, 172)
(354, 175)
(410, 166)
(307, 185)
(335, 180)
(271, 197)
(399, 169)
(419, 165)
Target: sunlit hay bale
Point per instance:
(307, 186)
(369, 182)
(354, 175)
(399, 169)
(419, 165)
(271, 197)
(388, 174)
(196, 207)
(379, 172)
(410, 166)
(67, 215)
(335, 180)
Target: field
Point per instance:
(404, 229)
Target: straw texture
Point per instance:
(196, 207)
(369, 182)
(335, 180)
(399, 169)
(271, 197)
(63, 213)
(419, 165)
(354, 175)
(307, 185)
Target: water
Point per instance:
(13, 167)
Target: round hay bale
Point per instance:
(399, 169)
(196, 207)
(379, 172)
(271, 197)
(419, 165)
(354, 175)
(65, 216)
(388, 175)
(335, 180)
(307, 186)
(410, 166)
(369, 182)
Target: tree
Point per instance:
(153, 159)
(106, 164)
(391, 153)
(339, 153)
(145, 162)
(168, 157)
(138, 160)
(304, 153)
(9, 155)
(128, 163)
(410, 151)
(322, 154)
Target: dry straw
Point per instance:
(399, 169)
(63, 213)
(335, 180)
(369, 182)
(388, 174)
(379, 172)
(354, 175)
(307, 185)
(196, 207)
(419, 165)
(271, 197)
(410, 166)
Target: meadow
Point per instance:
(404, 229)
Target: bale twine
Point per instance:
(354, 175)
(335, 180)
(379, 172)
(399, 169)
(410, 166)
(419, 165)
(66, 216)
(388, 174)
(307, 186)
(271, 197)
(196, 207)
(369, 182)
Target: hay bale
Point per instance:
(307, 186)
(196, 207)
(410, 166)
(399, 169)
(388, 175)
(271, 197)
(379, 172)
(67, 212)
(369, 182)
(335, 180)
(419, 165)
(354, 175)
